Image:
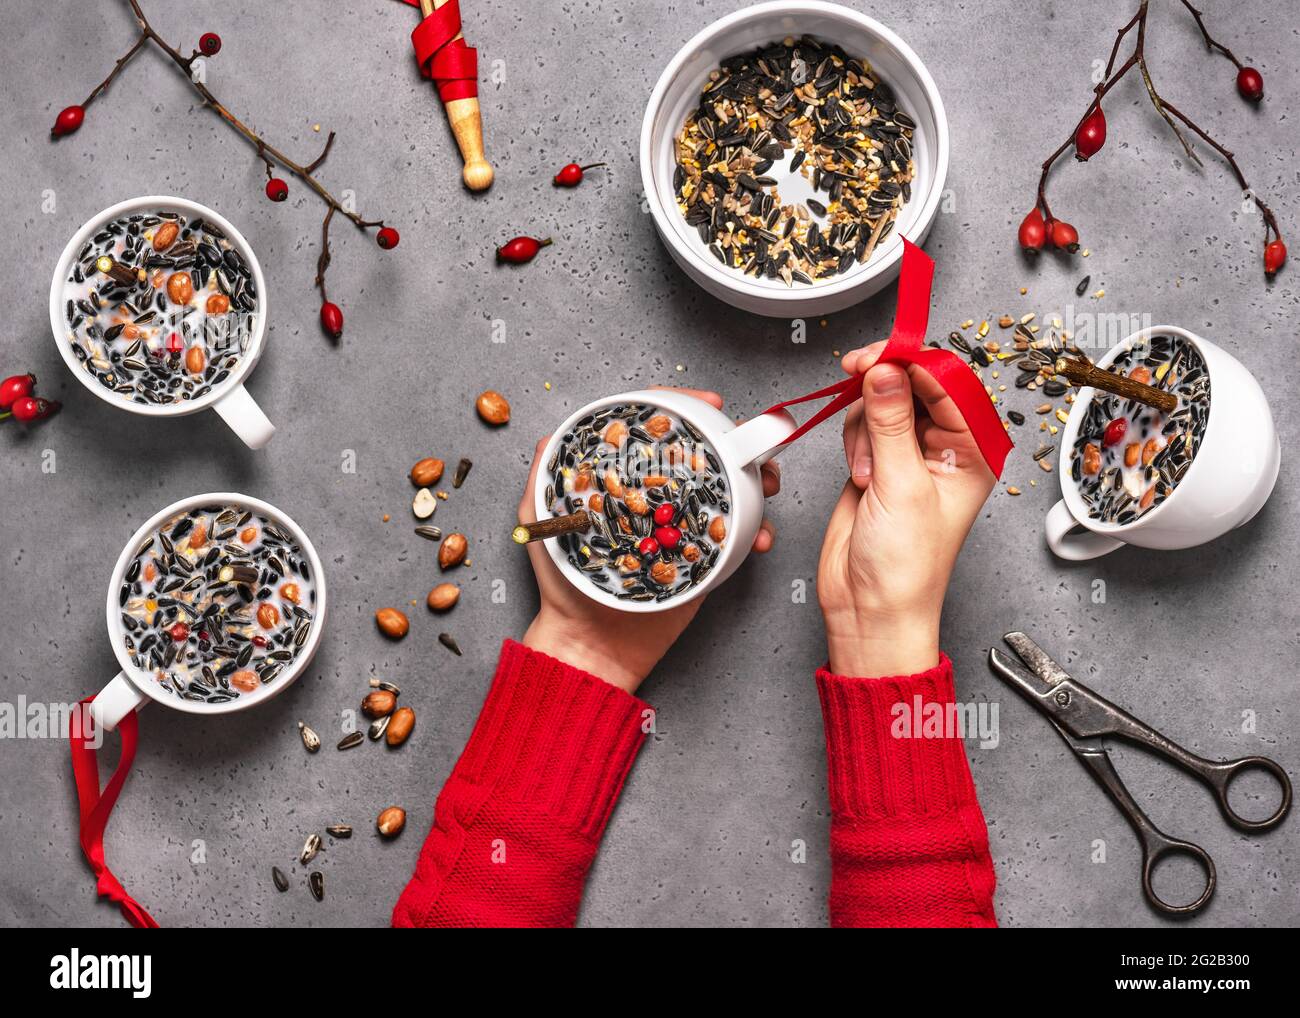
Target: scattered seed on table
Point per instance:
(350, 740)
(309, 738)
(309, 849)
(281, 881)
(317, 884)
(430, 533)
(448, 641)
(1016, 417)
(339, 830)
(1082, 288)
(462, 471)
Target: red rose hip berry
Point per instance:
(648, 547)
(331, 319)
(1033, 231)
(1115, 432)
(179, 632)
(68, 120)
(521, 249)
(14, 388)
(664, 514)
(571, 175)
(668, 537)
(277, 189)
(1065, 236)
(1090, 136)
(34, 408)
(1274, 256)
(210, 44)
(387, 238)
(1250, 83)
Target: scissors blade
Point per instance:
(1037, 659)
(1030, 686)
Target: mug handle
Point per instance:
(1075, 547)
(115, 701)
(758, 439)
(238, 409)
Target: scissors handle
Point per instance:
(1219, 775)
(1156, 845)
(1085, 713)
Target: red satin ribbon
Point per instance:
(905, 346)
(96, 807)
(450, 62)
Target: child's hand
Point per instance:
(916, 486)
(620, 647)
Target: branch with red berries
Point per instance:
(331, 317)
(1041, 228)
(18, 400)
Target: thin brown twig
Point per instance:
(1211, 43)
(267, 152)
(323, 262)
(1167, 111)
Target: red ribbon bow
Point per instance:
(450, 62)
(96, 807)
(906, 347)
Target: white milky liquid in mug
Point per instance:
(216, 603)
(179, 327)
(657, 494)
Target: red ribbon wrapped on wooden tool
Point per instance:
(449, 61)
(906, 346)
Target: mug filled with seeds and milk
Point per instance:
(672, 492)
(1132, 474)
(216, 603)
(158, 306)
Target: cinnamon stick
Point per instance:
(118, 272)
(1083, 373)
(554, 527)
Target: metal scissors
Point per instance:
(1085, 720)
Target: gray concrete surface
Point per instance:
(1190, 641)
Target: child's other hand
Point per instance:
(917, 481)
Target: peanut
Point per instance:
(392, 623)
(1141, 373)
(268, 615)
(1148, 497)
(658, 425)
(427, 472)
(165, 235)
(194, 360)
(198, 536)
(615, 433)
(391, 821)
(217, 304)
(180, 288)
(1149, 451)
(452, 550)
(378, 702)
(691, 553)
(1091, 459)
(612, 484)
(290, 592)
(1131, 453)
(663, 573)
(628, 563)
(399, 726)
(248, 535)
(636, 502)
(245, 681)
(493, 408)
(717, 529)
(596, 503)
(443, 597)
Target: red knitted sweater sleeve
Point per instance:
(517, 824)
(909, 846)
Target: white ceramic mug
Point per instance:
(132, 688)
(741, 449)
(1228, 482)
(230, 399)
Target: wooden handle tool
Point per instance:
(467, 125)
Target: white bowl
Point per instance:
(678, 92)
(231, 400)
